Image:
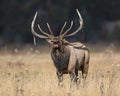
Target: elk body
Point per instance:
(68, 58)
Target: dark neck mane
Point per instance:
(60, 57)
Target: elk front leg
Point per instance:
(73, 82)
(73, 78)
(60, 78)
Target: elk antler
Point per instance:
(63, 28)
(33, 31)
(68, 29)
(79, 28)
(50, 29)
(46, 35)
(43, 31)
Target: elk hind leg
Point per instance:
(85, 65)
(84, 72)
(77, 78)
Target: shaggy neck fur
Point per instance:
(60, 57)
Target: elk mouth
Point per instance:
(56, 46)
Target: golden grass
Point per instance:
(31, 73)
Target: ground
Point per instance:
(29, 71)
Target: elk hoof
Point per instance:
(60, 84)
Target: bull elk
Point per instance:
(68, 58)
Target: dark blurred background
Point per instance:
(101, 19)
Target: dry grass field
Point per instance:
(28, 72)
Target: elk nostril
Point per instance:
(55, 43)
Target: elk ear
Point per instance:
(65, 41)
(48, 40)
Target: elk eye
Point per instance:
(52, 41)
(61, 40)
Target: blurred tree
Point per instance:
(115, 35)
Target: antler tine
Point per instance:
(33, 31)
(43, 31)
(49, 28)
(63, 28)
(68, 29)
(79, 28)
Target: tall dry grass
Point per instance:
(31, 72)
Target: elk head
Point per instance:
(56, 41)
